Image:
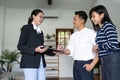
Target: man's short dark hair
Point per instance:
(82, 14)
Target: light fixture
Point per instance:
(49, 2)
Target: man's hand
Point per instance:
(88, 67)
(60, 50)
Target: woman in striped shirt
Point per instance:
(106, 43)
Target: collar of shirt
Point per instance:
(37, 28)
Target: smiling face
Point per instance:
(38, 19)
(77, 21)
(96, 18)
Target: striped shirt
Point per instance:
(107, 39)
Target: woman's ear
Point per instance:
(102, 15)
(33, 16)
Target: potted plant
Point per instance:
(53, 36)
(7, 59)
(48, 36)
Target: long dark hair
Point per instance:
(99, 10)
(34, 12)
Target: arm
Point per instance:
(22, 44)
(90, 66)
(66, 51)
(62, 50)
(111, 35)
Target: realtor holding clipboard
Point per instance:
(31, 45)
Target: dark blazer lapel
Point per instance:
(34, 31)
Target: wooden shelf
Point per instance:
(52, 62)
(52, 69)
(49, 41)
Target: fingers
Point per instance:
(87, 67)
(57, 53)
(59, 47)
(40, 49)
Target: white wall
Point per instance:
(65, 66)
(14, 19)
(1, 26)
(113, 10)
(56, 4)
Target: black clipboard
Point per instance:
(54, 50)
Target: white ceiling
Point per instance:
(56, 4)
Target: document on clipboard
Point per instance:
(55, 50)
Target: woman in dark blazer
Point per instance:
(30, 44)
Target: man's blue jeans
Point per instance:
(80, 73)
(110, 66)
